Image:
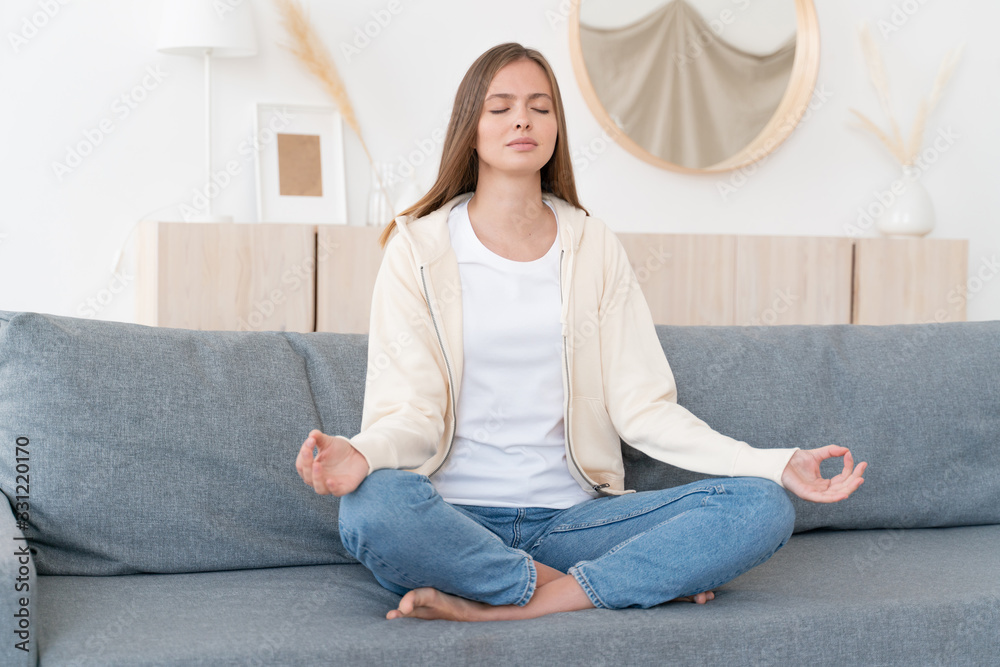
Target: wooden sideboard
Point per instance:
(226, 276)
(289, 277)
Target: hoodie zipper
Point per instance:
(451, 388)
(569, 448)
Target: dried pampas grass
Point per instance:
(307, 46)
(905, 152)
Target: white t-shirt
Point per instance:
(509, 447)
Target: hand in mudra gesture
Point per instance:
(338, 468)
(802, 477)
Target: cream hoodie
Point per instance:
(616, 379)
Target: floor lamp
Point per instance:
(207, 29)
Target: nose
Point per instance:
(522, 120)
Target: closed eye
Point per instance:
(502, 110)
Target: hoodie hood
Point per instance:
(430, 239)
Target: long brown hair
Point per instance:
(459, 170)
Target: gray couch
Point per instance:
(165, 523)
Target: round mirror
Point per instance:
(696, 85)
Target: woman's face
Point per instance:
(518, 127)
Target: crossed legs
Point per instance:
(446, 565)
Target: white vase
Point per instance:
(911, 211)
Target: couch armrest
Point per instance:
(18, 592)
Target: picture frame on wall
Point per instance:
(300, 168)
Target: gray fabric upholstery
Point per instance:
(165, 456)
(915, 597)
(919, 402)
(167, 450)
(151, 474)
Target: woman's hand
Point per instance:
(802, 477)
(338, 468)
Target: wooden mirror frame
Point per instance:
(791, 108)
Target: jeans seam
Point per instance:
(363, 551)
(344, 532)
(591, 524)
(581, 579)
(621, 545)
(760, 561)
(516, 528)
(585, 584)
(393, 569)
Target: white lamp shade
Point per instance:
(189, 27)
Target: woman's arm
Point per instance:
(406, 387)
(641, 395)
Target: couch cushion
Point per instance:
(925, 596)
(169, 450)
(919, 402)
(141, 435)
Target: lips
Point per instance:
(523, 142)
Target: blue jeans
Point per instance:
(634, 550)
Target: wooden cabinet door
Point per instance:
(793, 280)
(686, 278)
(719, 279)
(348, 259)
(226, 276)
(908, 281)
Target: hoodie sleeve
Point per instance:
(641, 396)
(406, 389)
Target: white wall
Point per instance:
(59, 238)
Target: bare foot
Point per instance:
(700, 598)
(431, 603)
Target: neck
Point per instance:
(510, 206)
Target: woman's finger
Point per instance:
(854, 481)
(320, 442)
(305, 460)
(856, 474)
(299, 462)
(833, 451)
(319, 478)
(848, 466)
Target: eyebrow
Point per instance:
(508, 96)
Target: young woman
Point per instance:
(510, 350)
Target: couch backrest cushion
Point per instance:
(169, 450)
(919, 402)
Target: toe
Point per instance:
(407, 603)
